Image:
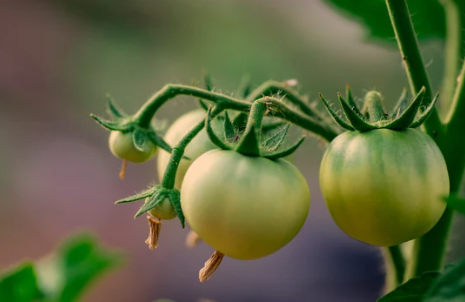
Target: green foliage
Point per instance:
(62, 277)
(413, 290)
(456, 202)
(432, 287)
(20, 285)
(427, 15)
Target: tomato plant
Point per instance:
(386, 177)
(264, 202)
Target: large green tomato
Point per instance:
(384, 187)
(244, 207)
(122, 146)
(198, 146)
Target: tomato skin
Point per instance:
(122, 146)
(198, 146)
(164, 210)
(245, 207)
(384, 187)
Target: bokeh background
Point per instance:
(58, 58)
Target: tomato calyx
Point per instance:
(143, 138)
(372, 116)
(253, 141)
(155, 196)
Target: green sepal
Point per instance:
(159, 141)
(113, 125)
(425, 114)
(240, 121)
(356, 121)
(408, 116)
(245, 87)
(401, 104)
(141, 140)
(273, 143)
(285, 152)
(272, 126)
(229, 132)
(456, 202)
(335, 116)
(138, 196)
(113, 109)
(175, 199)
(351, 101)
(211, 134)
(203, 105)
(249, 144)
(158, 196)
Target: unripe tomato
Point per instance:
(164, 210)
(244, 207)
(122, 146)
(384, 187)
(198, 146)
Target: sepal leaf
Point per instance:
(425, 114)
(113, 109)
(175, 199)
(287, 151)
(158, 196)
(356, 121)
(401, 104)
(408, 116)
(273, 143)
(211, 134)
(113, 125)
(138, 196)
(351, 101)
(240, 121)
(141, 140)
(229, 132)
(335, 116)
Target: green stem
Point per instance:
(411, 56)
(395, 266)
(270, 88)
(169, 177)
(429, 250)
(144, 116)
(454, 48)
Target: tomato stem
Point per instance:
(373, 106)
(395, 266)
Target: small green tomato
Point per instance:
(198, 146)
(244, 207)
(122, 146)
(384, 187)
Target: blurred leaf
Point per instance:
(20, 285)
(427, 16)
(82, 261)
(414, 290)
(450, 287)
(456, 202)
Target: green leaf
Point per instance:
(229, 132)
(273, 143)
(427, 16)
(450, 287)
(414, 290)
(141, 140)
(113, 109)
(138, 196)
(287, 151)
(82, 262)
(456, 202)
(111, 125)
(20, 285)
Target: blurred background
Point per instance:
(58, 58)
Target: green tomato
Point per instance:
(122, 146)
(244, 207)
(384, 187)
(198, 146)
(164, 210)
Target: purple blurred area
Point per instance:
(58, 59)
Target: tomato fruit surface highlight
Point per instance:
(122, 146)
(384, 187)
(198, 146)
(244, 207)
(163, 210)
